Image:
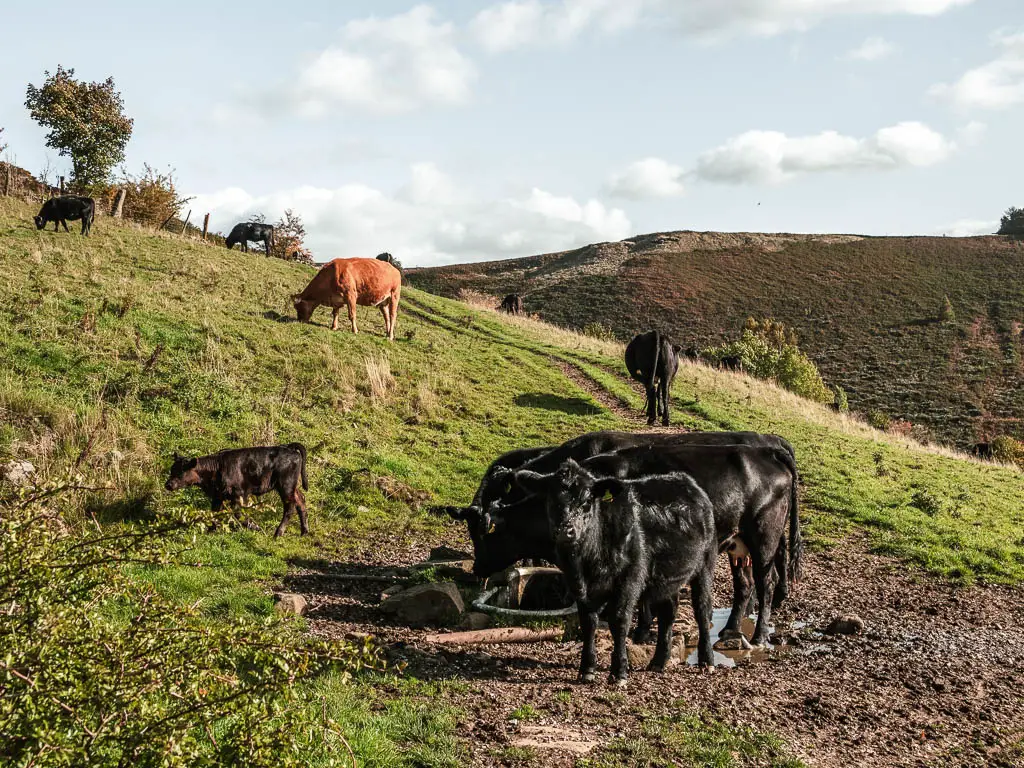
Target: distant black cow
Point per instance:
(513, 304)
(731, 363)
(617, 538)
(651, 360)
(230, 477)
(61, 210)
(692, 353)
(390, 260)
(982, 450)
(247, 231)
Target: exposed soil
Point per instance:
(934, 678)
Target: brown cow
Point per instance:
(348, 282)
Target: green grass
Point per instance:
(867, 312)
(119, 349)
(690, 738)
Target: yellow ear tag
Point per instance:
(508, 487)
(491, 529)
(639, 372)
(607, 496)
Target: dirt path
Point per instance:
(935, 678)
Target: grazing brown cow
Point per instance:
(348, 282)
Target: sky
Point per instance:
(464, 131)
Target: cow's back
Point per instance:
(370, 279)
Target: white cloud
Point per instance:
(773, 157)
(387, 65)
(514, 24)
(430, 220)
(872, 49)
(969, 228)
(717, 18)
(648, 178)
(995, 85)
(972, 133)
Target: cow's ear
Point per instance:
(193, 463)
(175, 456)
(677, 348)
(533, 482)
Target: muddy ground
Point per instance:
(937, 676)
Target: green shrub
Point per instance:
(879, 420)
(98, 669)
(946, 313)
(1006, 448)
(927, 502)
(841, 402)
(1012, 222)
(768, 351)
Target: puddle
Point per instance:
(719, 617)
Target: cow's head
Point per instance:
(303, 307)
(503, 537)
(572, 495)
(40, 221)
(183, 473)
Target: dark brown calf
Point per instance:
(234, 475)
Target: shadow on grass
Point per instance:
(575, 406)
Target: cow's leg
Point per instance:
(664, 402)
(300, 502)
(700, 591)
(644, 619)
(742, 586)
(588, 657)
(334, 318)
(385, 310)
(652, 405)
(394, 315)
(352, 313)
(288, 501)
(764, 580)
(666, 611)
(619, 623)
(56, 225)
(266, 245)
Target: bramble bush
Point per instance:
(96, 669)
(769, 351)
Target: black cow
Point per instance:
(753, 490)
(513, 304)
(982, 451)
(616, 539)
(61, 210)
(507, 524)
(692, 354)
(230, 477)
(245, 231)
(731, 363)
(651, 360)
(390, 260)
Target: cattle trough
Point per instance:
(528, 594)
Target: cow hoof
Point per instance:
(277, 534)
(587, 677)
(728, 633)
(618, 682)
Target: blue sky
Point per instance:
(458, 131)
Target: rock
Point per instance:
(447, 553)
(475, 620)
(394, 589)
(739, 643)
(290, 603)
(850, 624)
(433, 603)
(17, 472)
(460, 571)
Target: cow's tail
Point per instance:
(302, 452)
(653, 374)
(796, 543)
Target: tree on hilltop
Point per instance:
(1012, 222)
(86, 122)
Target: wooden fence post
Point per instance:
(61, 185)
(118, 203)
(183, 226)
(206, 225)
(7, 181)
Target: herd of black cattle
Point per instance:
(630, 518)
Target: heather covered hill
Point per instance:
(867, 310)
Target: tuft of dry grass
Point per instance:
(379, 378)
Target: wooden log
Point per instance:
(118, 203)
(496, 635)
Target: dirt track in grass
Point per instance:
(936, 677)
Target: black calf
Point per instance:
(234, 475)
(651, 360)
(61, 210)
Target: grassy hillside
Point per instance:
(119, 349)
(866, 310)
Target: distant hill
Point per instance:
(866, 309)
